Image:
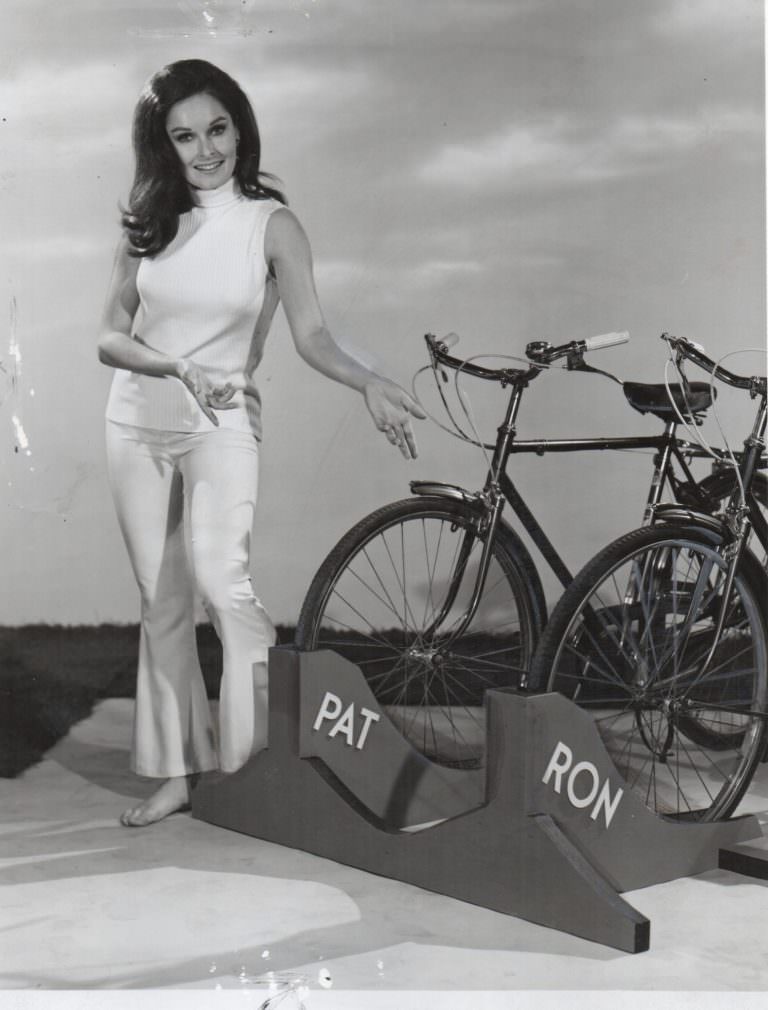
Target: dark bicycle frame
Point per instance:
(499, 487)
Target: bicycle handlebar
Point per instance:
(606, 340)
(543, 352)
(539, 352)
(695, 353)
(438, 352)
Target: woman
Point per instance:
(208, 250)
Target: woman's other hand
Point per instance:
(391, 409)
(209, 396)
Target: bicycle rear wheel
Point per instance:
(390, 598)
(632, 641)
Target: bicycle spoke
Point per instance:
(649, 616)
(688, 621)
(401, 583)
(374, 637)
(390, 602)
(429, 605)
(589, 660)
(389, 605)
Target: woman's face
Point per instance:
(205, 139)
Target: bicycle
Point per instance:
(663, 638)
(436, 597)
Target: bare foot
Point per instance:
(173, 795)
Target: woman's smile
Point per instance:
(209, 168)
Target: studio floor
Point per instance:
(89, 906)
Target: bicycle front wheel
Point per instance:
(633, 641)
(391, 598)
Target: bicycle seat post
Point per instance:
(661, 464)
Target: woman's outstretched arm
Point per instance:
(119, 348)
(288, 252)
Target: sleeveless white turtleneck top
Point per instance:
(207, 296)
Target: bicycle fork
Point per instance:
(492, 499)
(488, 523)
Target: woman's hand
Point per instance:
(391, 409)
(209, 396)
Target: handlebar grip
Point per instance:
(449, 340)
(606, 340)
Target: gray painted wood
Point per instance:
(513, 843)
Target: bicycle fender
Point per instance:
(672, 513)
(438, 489)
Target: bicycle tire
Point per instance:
(628, 641)
(376, 594)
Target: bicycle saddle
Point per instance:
(654, 399)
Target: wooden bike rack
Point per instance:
(547, 831)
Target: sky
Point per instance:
(507, 169)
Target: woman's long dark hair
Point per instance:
(160, 192)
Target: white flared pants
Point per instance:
(185, 504)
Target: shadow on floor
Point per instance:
(71, 804)
(388, 913)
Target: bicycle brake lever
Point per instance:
(575, 360)
(432, 344)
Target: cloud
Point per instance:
(645, 137)
(287, 88)
(66, 112)
(346, 278)
(694, 17)
(509, 152)
(444, 268)
(558, 152)
(66, 90)
(58, 247)
(84, 111)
